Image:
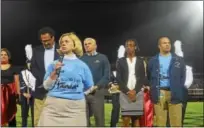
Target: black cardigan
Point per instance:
(122, 74)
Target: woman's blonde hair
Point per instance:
(78, 50)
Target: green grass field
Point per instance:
(194, 115)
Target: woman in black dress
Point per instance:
(9, 90)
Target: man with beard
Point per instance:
(43, 55)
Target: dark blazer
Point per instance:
(122, 74)
(38, 70)
(177, 76)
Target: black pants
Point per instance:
(115, 110)
(25, 109)
(12, 123)
(183, 112)
(95, 104)
(184, 104)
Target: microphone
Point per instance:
(60, 60)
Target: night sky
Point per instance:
(110, 23)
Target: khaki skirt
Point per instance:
(63, 112)
(129, 108)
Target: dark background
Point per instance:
(110, 22)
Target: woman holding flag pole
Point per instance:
(27, 83)
(114, 90)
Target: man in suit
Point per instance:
(100, 69)
(43, 55)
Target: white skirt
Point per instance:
(63, 112)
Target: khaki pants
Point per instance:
(38, 106)
(163, 106)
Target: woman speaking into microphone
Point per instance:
(66, 80)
